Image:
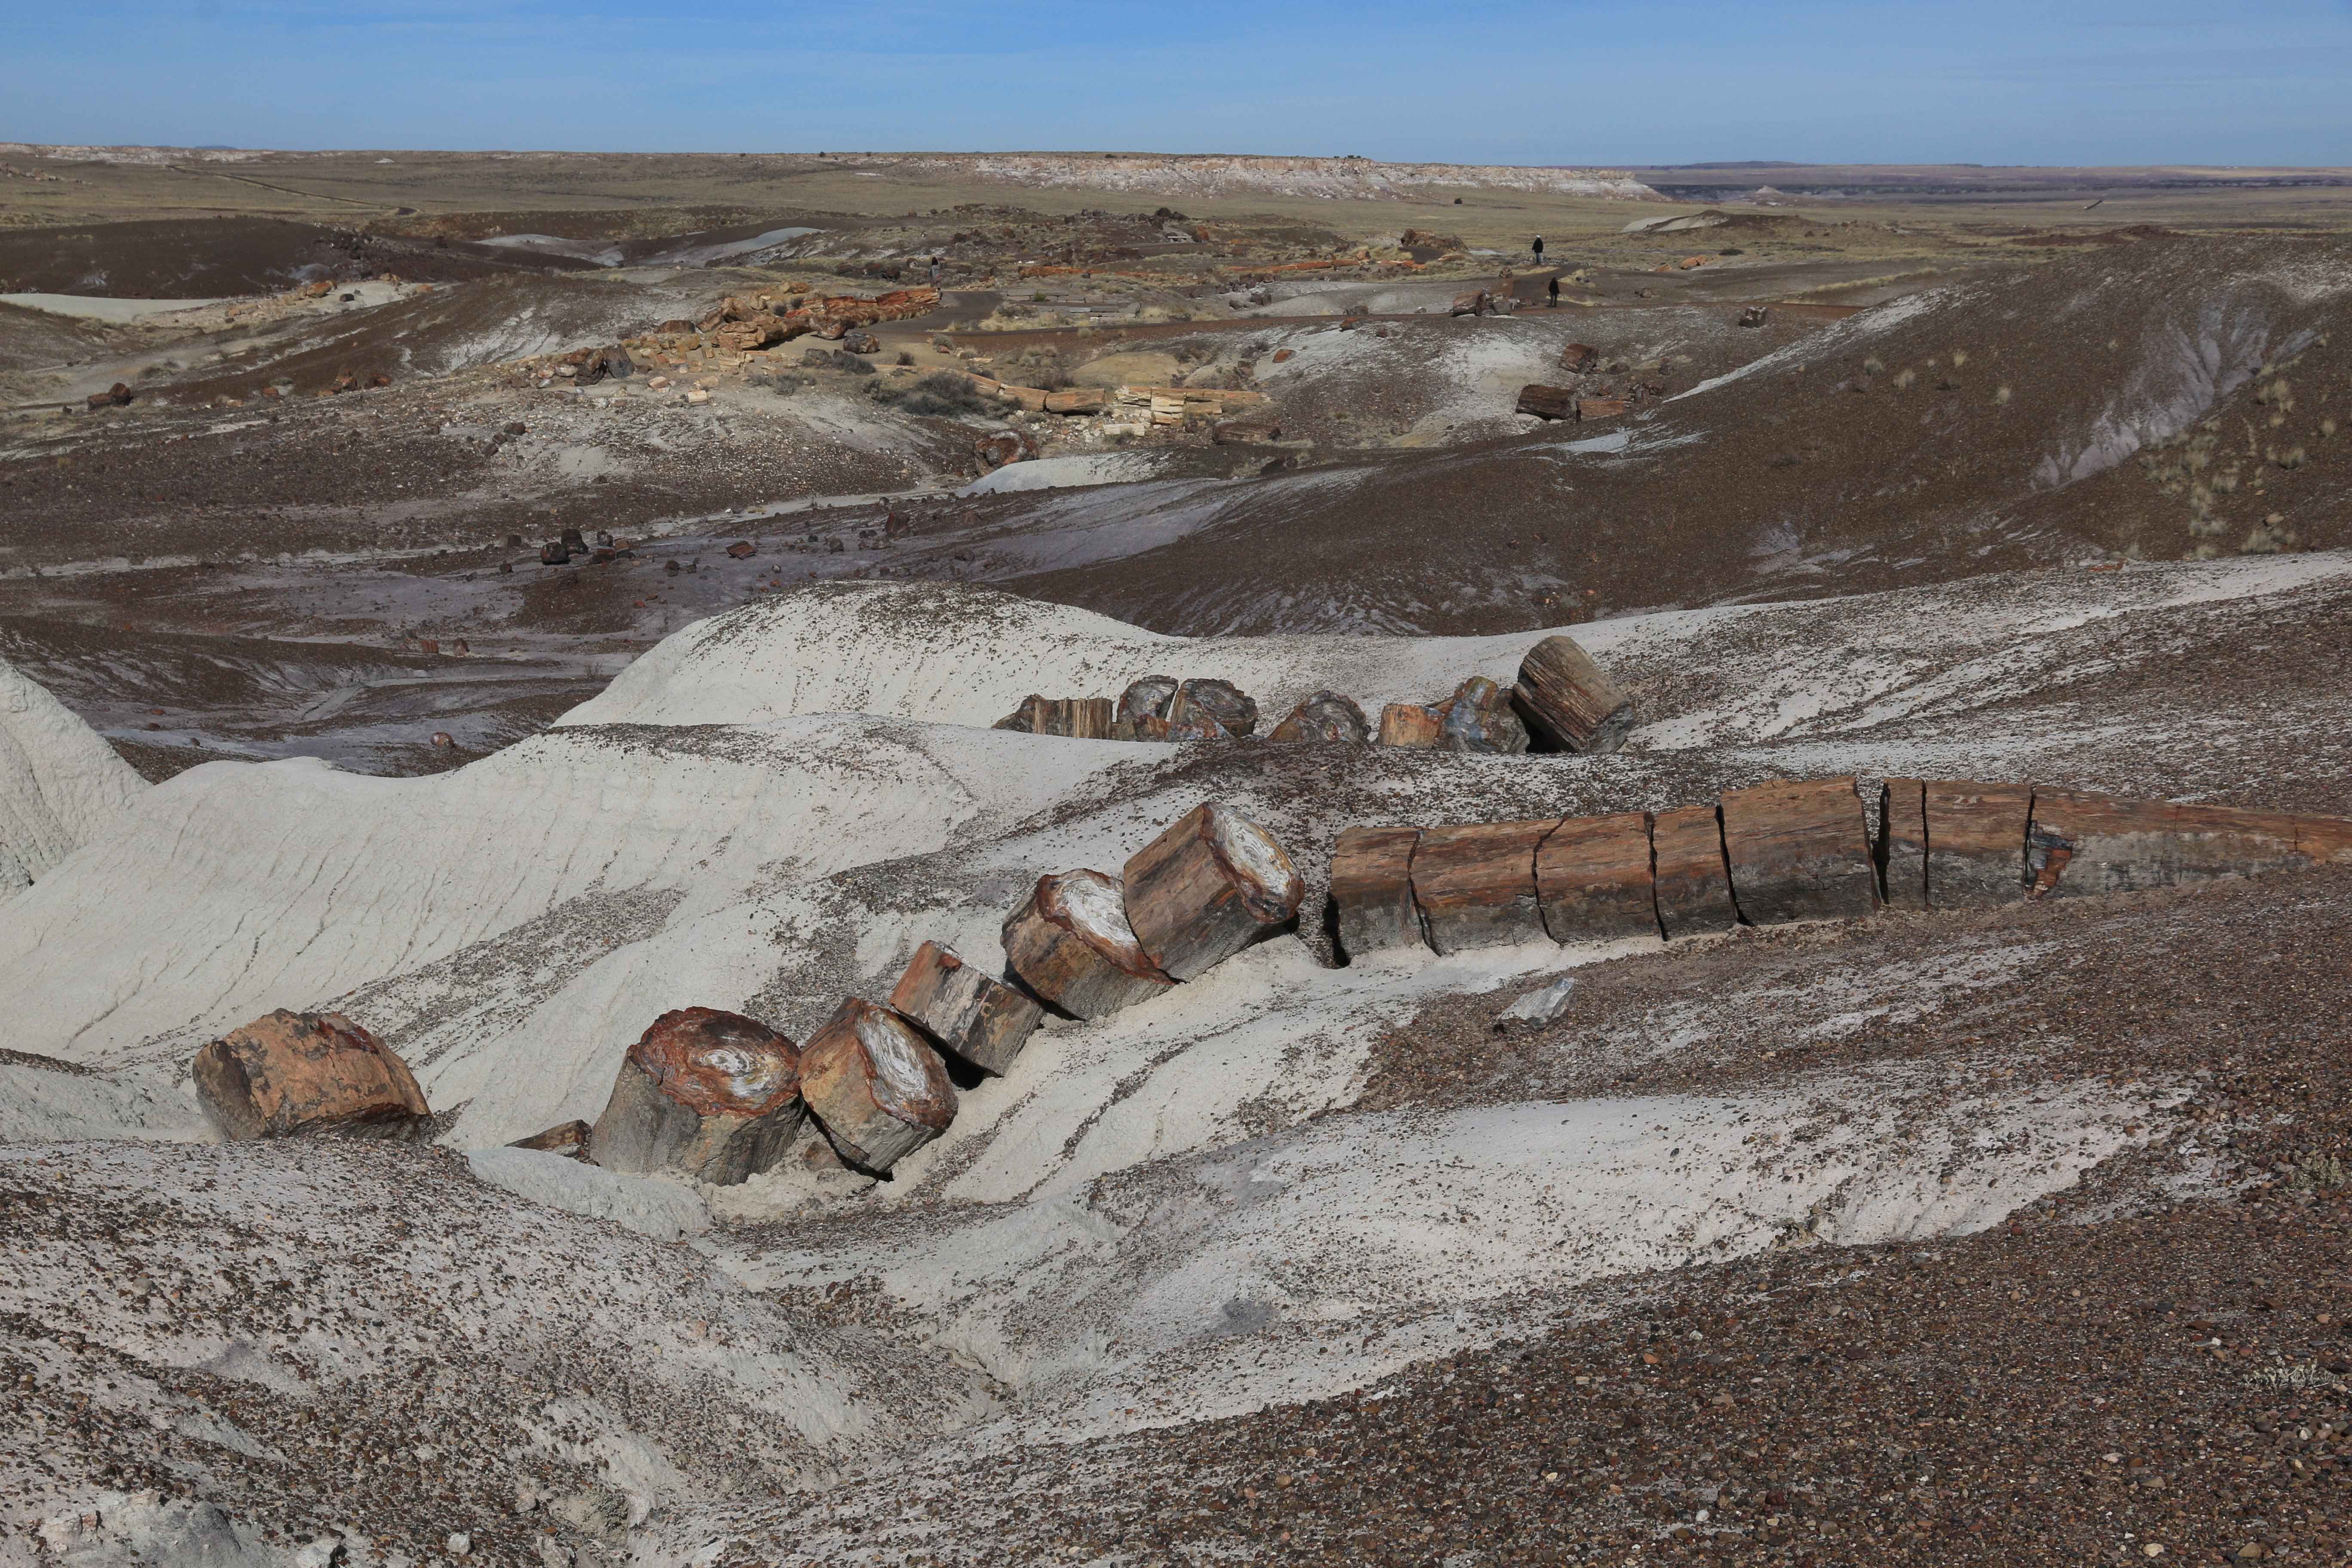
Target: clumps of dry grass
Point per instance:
(2270, 537)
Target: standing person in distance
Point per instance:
(1539, 250)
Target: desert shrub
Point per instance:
(904, 358)
(942, 394)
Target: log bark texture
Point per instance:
(1325, 716)
(1569, 700)
(289, 1074)
(1372, 888)
(1412, 725)
(1478, 717)
(964, 1011)
(709, 1094)
(1976, 843)
(2081, 845)
(1475, 885)
(1692, 888)
(1594, 882)
(1211, 884)
(1800, 850)
(1902, 847)
(876, 1086)
(1071, 945)
(2213, 841)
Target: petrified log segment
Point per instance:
(1411, 724)
(1187, 720)
(2081, 845)
(977, 1017)
(1569, 700)
(1546, 401)
(1478, 717)
(563, 1138)
(709, 1094)
(291, 1074)
(1231, 706)
(1693, 889)
(1147, 699)
(1080, 718)
(2323, 840)
(2210, 841)
(1800, 850)
(1071, 945)
(1592, 878)
(876, 1087)
(1902, 847)
(1371, 885)
(1475, 885)
(1325, 716)
(1023, 718)
(1976, 843)
(1207, 887)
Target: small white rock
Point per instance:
(460, 1542)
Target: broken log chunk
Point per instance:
(2080, 844)
(1478, 717)
(1546, 401)
(1078, 400)
(1475, 885)
(1071, 945)
(1567, 700)
(1208, 887)
(1592, 878)
(1371, 887)
(1221, 699)
(1023, 718)
(874, 1086)
(1901, 848)
(1411, 724)
(1147, 697)
(290, 1074)
(704, 1093)
(2323, 840)
(1798, 849)
(1976, 843)
(1600, 407)
(1694, 891)
(1578, 358)
(1187, 720)
(1325, 716)
(563, 1138)
(965, 1012)
(1472, 302)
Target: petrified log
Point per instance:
(2323, 840)
(1070, 944)
(969, 1014)
(1901, 850)
(1227, 703)
(1206, 888)
(1600, 407)
(1798, 849)
(1578, 358)
(1546, 401)
(1976, 843)
(2081, 845)
(1472, 302)
(1080, 718)
(2212, 841)
(1569, 700)
(1478, 717)
(1592, 878)
(874, 1085)
(707, 1093)
(1694, 891)
(1371, 886)
(1022, 720)
(1147, 697)
(1411, 724)
(563, 1138)
(1475, 885)
(1325, 716)
(293, 1074)
(1078, 400)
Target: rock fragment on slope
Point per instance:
(1478, 718)
(972, 1015)
(704, 1093)
(1070, 944)
(876, 1086)
(1569, 700)
(290, 1074)
(1210, 885)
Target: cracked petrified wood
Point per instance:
(874, 1085)
(704, 1093)
(1210, 885)
(1071, 945)
(1325, 716)
(1478, 717)
(1235, 710)
(1147, 697)
(1567, 700)
(1371, 889)
(1694, 891)
(1411, 724)
(1475, 884)
(969, 1014)
(291, 1074)
(1798, 849)
(1976, 843)
(2080, 844)
(1078, 718)
(1592, 878)
(1901, 848)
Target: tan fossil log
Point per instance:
(1371, 889)
(289, 1074)
(1694, 892)
(874, 1086)
(1071, 945)
(1475, 884)
(1798, 849)
(1976, 842)
(706, 1093)
(1411, 725)
(1210, 885)
(1569, 700)
(968, 1013)
(1592, 878)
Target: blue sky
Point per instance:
(1994, 81)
